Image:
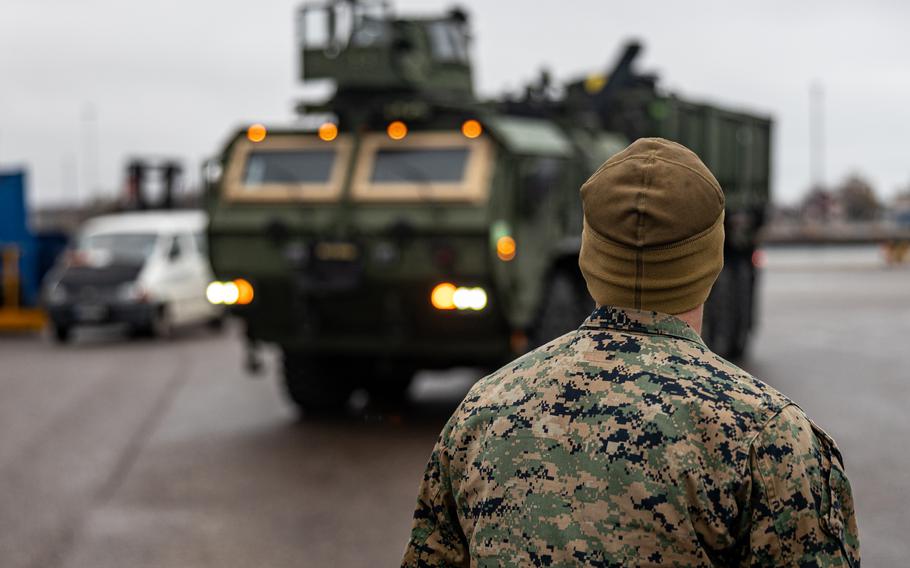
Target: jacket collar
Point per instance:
(639, 321)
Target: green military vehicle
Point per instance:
(408, 225)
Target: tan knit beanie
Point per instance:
(653, 234)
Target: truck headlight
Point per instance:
(470, 298)
(447, 296)
(237, 291)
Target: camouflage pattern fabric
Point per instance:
(629, 443)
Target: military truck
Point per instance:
(403, 223)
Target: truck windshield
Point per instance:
(122, 247)
(289, 166)
(424, 165)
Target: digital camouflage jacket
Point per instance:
(629, 443)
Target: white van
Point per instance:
(148, 270)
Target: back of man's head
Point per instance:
(654, 229)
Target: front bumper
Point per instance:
(133, 314)
(379, 321)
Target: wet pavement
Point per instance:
(121, 452)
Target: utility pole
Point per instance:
(816, 135)
(89, 151)
(68, 182)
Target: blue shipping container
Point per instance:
(14, 231)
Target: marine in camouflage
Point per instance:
(629, 443)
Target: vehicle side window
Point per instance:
(539, 177)
(448, 42)
(176, 249)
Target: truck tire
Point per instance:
(716, 320)
(162, 325)
(389, 382)
(62, 334)
(159, 324)
(727, 319)
(563, 308)
(314, 384)
(389, 393)
(745, 296)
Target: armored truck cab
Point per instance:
(378, 252)
(418, 227)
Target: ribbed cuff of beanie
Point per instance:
(671, 279)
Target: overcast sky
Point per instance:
(174, 77)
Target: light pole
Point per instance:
(89, 150)
(816, 135)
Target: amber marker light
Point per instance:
(397, 130)
(443, 296)
(471, 128)
(505, 248)
(328, 131)
(256, 132)
(244, 291)
(238, 291)
(595, 83)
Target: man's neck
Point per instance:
(693, 317)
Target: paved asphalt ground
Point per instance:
(117, 453)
